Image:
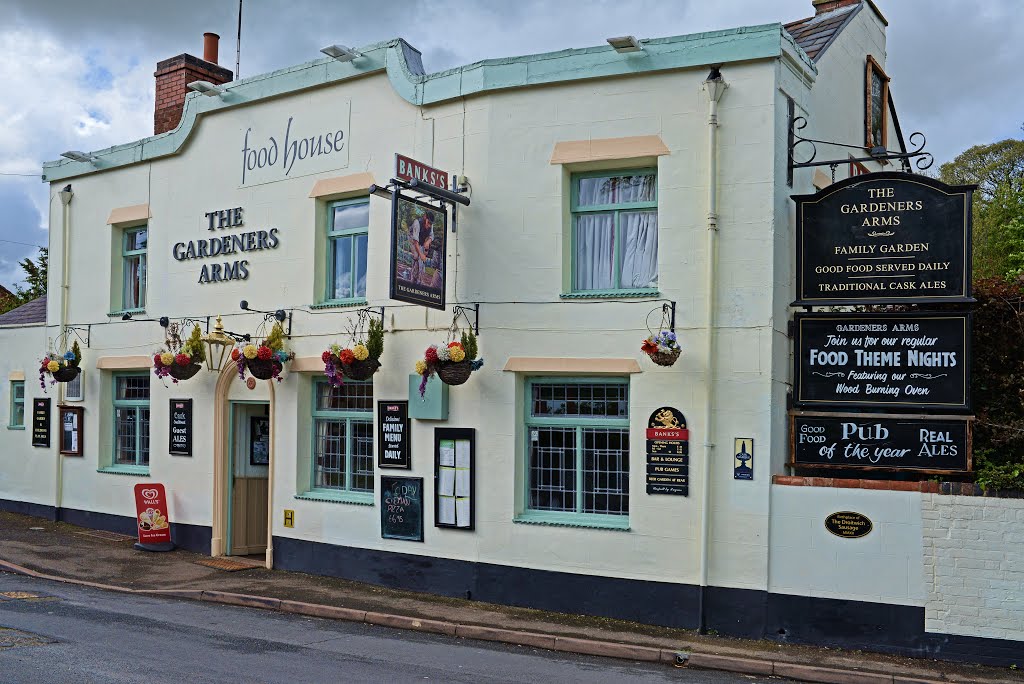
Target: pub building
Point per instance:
(562, 206)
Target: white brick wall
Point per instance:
(974, 565)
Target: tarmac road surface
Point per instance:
(52, 632)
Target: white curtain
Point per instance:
(615, 190)
(638, 231)
(595, 252)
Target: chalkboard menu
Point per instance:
(393, 435)
(668, 453)
(401, 509)
(181, 427)
(881, 442)
(41, 422)
(884, 238)
(879, 360)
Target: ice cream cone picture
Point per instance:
(152, 519)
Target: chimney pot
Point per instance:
(822, 6)
(210, 44)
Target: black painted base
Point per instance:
(740, 613)
(194, 538)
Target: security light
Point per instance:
(625, 44)
(206, 88)
(340, 53)
(78, 156)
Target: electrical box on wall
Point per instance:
(433, 405)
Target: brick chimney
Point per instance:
(173, 76)
(822, 6)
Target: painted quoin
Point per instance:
(603, 186)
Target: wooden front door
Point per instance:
(250, 452)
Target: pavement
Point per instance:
(62, 552)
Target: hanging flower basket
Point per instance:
(361, 359)
(180, 361)
(66, 373)
(663, 348)
(453, 363)
(264, 361)
(60, 367)
(454, 372)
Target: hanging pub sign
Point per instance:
(407, 169)
(418, 253)
(668, 453)
(41, 422)
(883, 360)
(393, 435)
(181, 428)
(884, 238)
(881, 442)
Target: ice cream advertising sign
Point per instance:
(151, 514)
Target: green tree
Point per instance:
(35, 281)
(998, 171)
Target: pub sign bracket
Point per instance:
(922, 160)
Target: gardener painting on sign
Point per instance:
(421, 235)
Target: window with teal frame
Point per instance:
(17, 418)
(577, 452)
(342, 442)
(131, 421)
(133, 268)
(347, 236)
(614, 233)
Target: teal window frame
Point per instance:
(138, 405)
(616, 209)
(128, 254)
(16, 403)
(576, 518)
(347, 493)
(333, 237)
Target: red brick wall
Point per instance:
(172, 78)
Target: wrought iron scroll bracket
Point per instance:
(670, 309)
(465, 311)
(921, 159)
(280, 315)
(68, 330)
(165, 321)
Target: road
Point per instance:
(72, 634)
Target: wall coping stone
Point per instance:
(925, 487)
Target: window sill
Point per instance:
(142, 471)
(612, 294)
(330, 496)
(114, 314)
(588, 520)
(338, 304)
(15, 427)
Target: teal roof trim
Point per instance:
(660, 54)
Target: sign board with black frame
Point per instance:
(418, 252)
(393, 437)
(71, 430)
(401, 508)
(883, 361)
(884, 238)
(881, 441)
(454, 476)
(180, 434)
(41, 422)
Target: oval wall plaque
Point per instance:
(848, 524)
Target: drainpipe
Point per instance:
(714, 85)
(65, 200)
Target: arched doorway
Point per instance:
(224, 419)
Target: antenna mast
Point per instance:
(238, 42)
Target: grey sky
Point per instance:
(79, 75)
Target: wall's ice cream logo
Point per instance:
(150, 493)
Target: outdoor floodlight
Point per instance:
(206, 88)
(78, 156)
(340, 53)
(625, 44)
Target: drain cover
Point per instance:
(225, 564)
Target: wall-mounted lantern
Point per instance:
(218, 347)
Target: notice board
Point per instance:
(454, 474)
